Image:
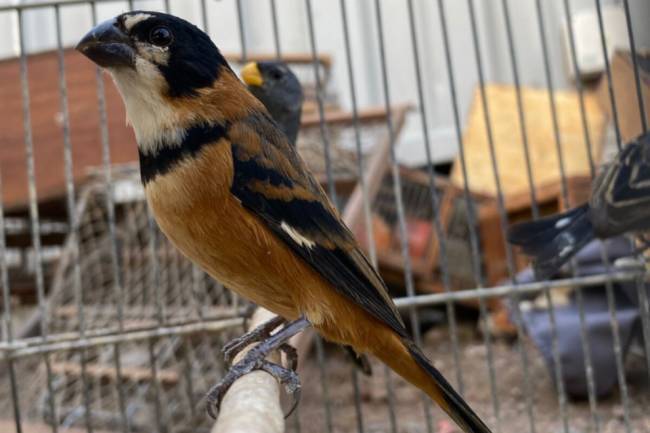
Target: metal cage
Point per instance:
(106, 327)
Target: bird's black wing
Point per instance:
(620, 198)
(271, 181)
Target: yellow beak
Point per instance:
(251, 74)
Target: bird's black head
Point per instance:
(154, 47)
(278, 88)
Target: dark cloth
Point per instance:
(598, 322)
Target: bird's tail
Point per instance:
(406, 359)
(553, 240)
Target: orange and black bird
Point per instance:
(232, 194)
(278, 88)
(619, 204)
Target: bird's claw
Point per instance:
(236, 345)
(286, 376)
(255, 359)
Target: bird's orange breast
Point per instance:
(193, 206)
(195, 209)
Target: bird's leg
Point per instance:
(360, 360)
(248, 312)
(263, 331)
(255, 359)
(291, 354)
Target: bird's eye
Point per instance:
(161, 36)
(275, 74)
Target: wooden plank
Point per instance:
(9, 426)
(375, 169)
(84, 122)
(508, 143)
(627, 102)
(107, 373)
(340, 117)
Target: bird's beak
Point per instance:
(251, 75)
(107, 45)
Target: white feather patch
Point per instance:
(297, 237)
(563, 222)
(153, 119)
(133, 19)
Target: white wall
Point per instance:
(223, 27)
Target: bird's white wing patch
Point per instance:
(561, 223)
(297, 237)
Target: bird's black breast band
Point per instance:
(169, 155)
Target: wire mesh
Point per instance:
(124, 333)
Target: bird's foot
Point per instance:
(262, 332)
(255, 359)
(287, 377)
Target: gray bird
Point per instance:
(278, 88)
(619, 203)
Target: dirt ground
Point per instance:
(409, 404)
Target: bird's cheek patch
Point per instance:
(153, 54)
(150, 74)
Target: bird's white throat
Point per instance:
(154, 120)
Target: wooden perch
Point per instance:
(252, 404)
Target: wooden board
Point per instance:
(107, 372)
(9, 426)
(625, 92)
(508, 144)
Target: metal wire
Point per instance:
(33, 215)
(579, 295)
(331, 187)
(110, 215)
(643, 296)
(7, 326)
(72, 217)
(399, 203)
(276, 29)
(609, 286)
(435, 200)
(362, 182)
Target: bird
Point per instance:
(226, 187)
(619, 204)
(278, 88)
